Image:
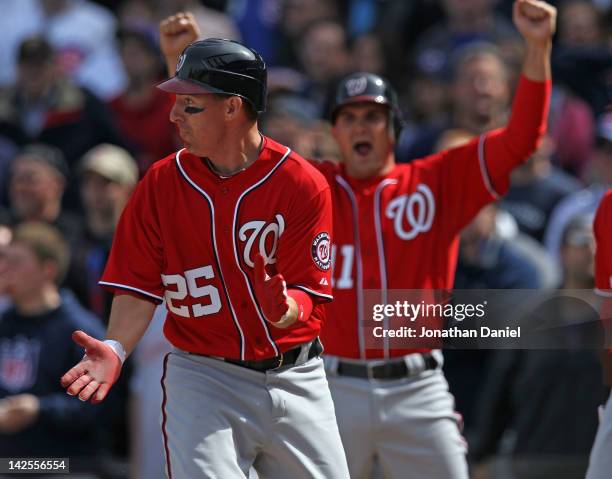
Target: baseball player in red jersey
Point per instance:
(233, 231)
(396, 227)
(600, 463)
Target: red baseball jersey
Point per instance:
(603, 253)
(190, 237)
(400, 231)
(603, 257)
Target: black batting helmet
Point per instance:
(370, 88)
(221, 66)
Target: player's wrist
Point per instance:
(117, 348)
(289, 317)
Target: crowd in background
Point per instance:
(81, 122)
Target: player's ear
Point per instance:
(232, 106)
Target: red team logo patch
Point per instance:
(321, 251)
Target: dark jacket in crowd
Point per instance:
(35, 351)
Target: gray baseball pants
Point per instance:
(403, 428)
(219, 420)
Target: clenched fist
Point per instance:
(175, 33)
(535, 20)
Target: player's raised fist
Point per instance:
(271, 293)
(535, 20)
(175, 33)
(94, 375)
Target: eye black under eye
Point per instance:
(191, 110)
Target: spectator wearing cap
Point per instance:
(586, 200)
(37, 181)
(44, 106)
(107, 175)
(142, 111)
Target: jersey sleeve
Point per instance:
(304, 251)
(135, 262)
(603, 253)
(602, 228)
(460, 184)
(506, 148)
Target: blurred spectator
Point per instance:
(212, 22)
(139, 15)
(325, 58)
(480, 89)
(8, 151)
(19, 19)
(5, 238)
(258, 22)
(296, 17)
(108, 176)
(577, 254)
(467, 21)
(400, 25)
(83, 35)
(37, 418)
(425, 104)
(536, 187)
(428, 100)
(480, 95)
(292, 120)
(486, 261)
(582, 60)
(572, 128)
(142, 112)
(584, 201)
(81, 31)
(579, 63)
(146, 445)
(36, 186)
(43, 106)
(362, 16)
(580, 24)
(547, 399)
(368, 54)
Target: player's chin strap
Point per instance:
(117, 348)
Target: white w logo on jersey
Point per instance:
(417, 208)
(250, 231)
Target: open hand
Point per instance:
(94, 375)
